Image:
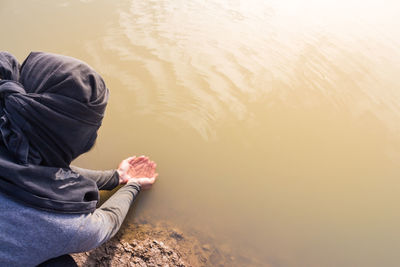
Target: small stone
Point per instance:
(202, 259)
(206, 247)
(176, 234)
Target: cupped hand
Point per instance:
(138, 169)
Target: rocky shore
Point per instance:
(144, 244)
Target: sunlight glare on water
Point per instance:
(275, 124)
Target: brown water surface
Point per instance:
(275, 124)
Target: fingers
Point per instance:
(130, 158)
(138, 160)
(150, 169)
(142, 167)
(139, 164)
(153, 170)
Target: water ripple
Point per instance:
(219, 56)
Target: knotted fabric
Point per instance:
(50, 110)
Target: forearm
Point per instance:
(114, 210)
(104, 223)
(105, 180)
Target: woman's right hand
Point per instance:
(139, 170)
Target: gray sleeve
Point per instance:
(104, 223)
(105, 180)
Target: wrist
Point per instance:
(121, 177)
(134, 183)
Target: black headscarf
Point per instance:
(50, 110)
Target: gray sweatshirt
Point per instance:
(29, 236)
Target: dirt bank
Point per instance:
(145, 244)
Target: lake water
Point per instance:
(275, 124)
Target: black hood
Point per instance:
(50, 110)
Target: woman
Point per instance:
(50, 110)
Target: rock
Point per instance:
(206, 247)
(176, 234)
